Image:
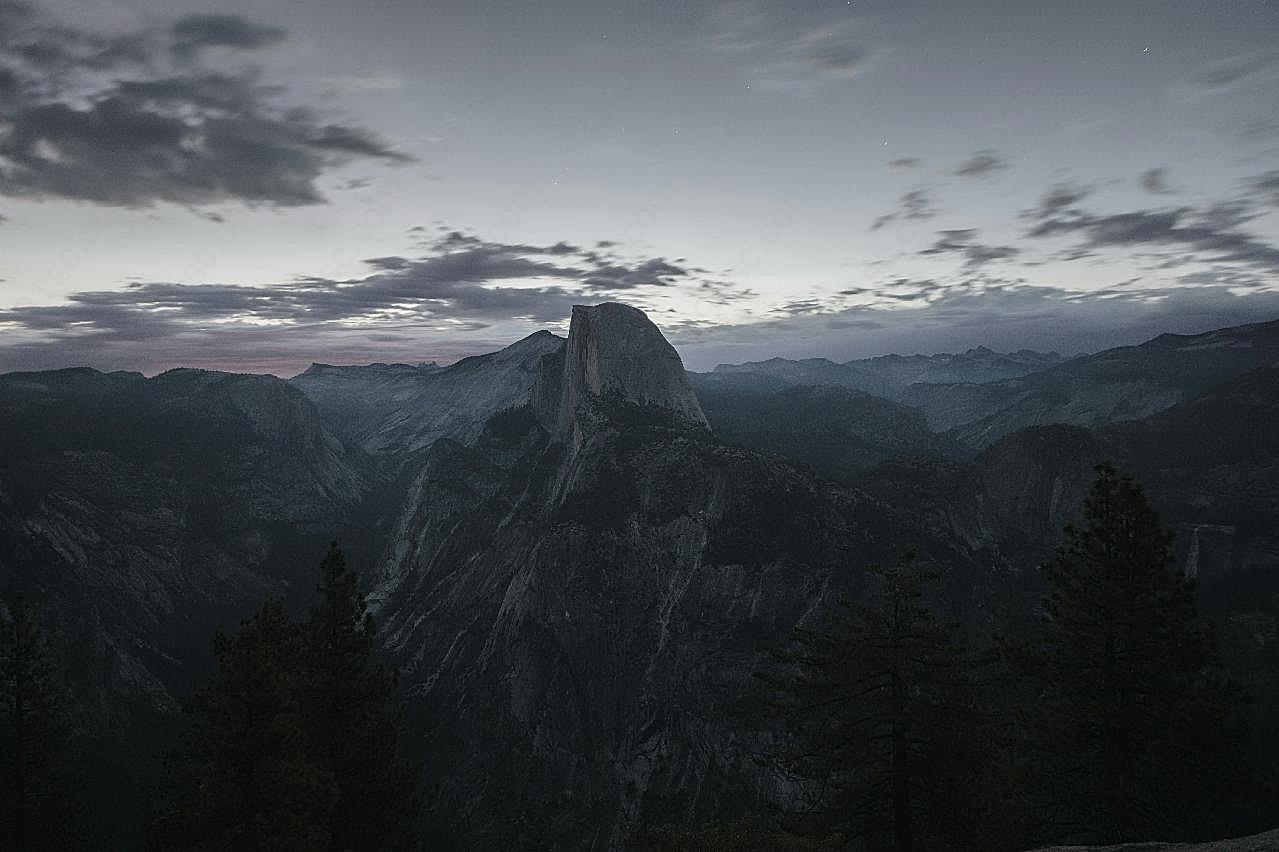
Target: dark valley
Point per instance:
(579, 556)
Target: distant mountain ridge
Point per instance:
(831, 427)
(889, 375)
(1125, 383)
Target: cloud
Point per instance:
(1059, 197)
(1211, 235)
(927, 316)
(1266, 188)
(109, 120)
(197, 32)
(982, 164)
(804, 64)
(961, 241)
(795, 63)
(1225, 74)
(916, 205)
(460, 283)
(1155, 181)
(905, 163)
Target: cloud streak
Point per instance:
(914, 205)
(981, 164)
(799, 64)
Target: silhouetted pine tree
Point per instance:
(353, 727)
(244, 780)
(1136, 723)
(891, 728)
(39, 779)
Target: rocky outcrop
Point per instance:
(615, 352)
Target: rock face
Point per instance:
(579, 644)
(615, 351)
(396, 410)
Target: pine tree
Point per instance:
(1135, 719)
(354, 729)
(244, 780)
(889, 722)
(39, 780)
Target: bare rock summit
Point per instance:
(615, 351)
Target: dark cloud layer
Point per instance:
(1212, 235)
(463, 283)
(110, 120)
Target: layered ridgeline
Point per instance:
(578, 552)
(890, 375)
(974, 399)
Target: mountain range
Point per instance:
(577, 552)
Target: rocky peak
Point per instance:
(616, 350)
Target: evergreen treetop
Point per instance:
(1137, 719)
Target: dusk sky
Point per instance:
(259, 185)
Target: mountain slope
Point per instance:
(579, 609)
(1211, 467)
(141, 506)
(396, 410)
(1126, 383)
(832, 428)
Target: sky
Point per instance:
(258, 185)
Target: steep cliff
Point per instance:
(615, 352)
